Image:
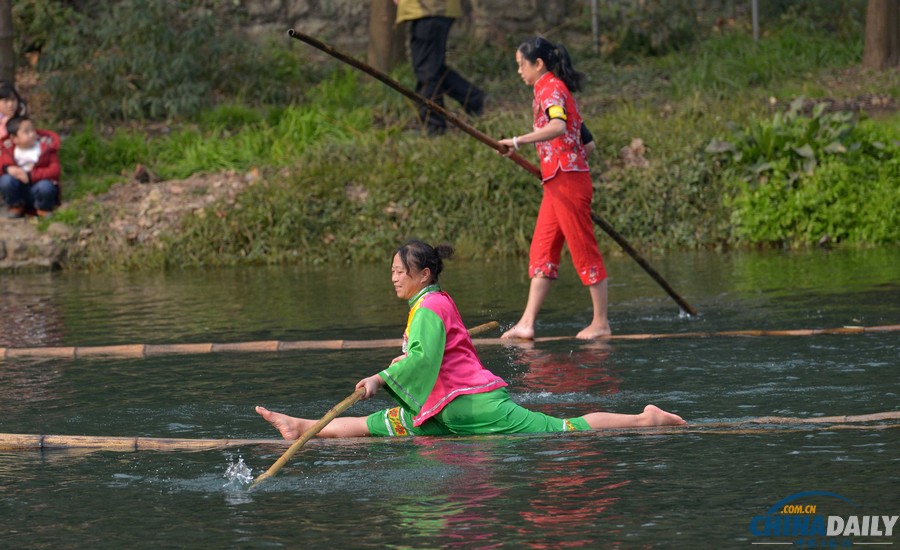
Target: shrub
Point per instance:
(790, 142)
(796, 179)
(156, 60)
(856, 203)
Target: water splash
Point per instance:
(237, 473)
(682, 314)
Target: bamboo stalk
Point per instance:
(60, 352)
(338, 409)
(481, 329)
(24, 442)
(874, 417)
(127, 350)
(737, 429)
(309, 434)
(259, 346)
(390, 82)
(177, 349)
(494, 144)
(758, 425)
(303, 345)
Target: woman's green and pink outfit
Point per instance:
(443, 388)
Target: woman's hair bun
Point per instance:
(444, 251)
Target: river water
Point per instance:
(700, 488)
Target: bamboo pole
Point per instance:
(330, 415)
(873, 417)
(494, 144)
(309, 434)
(25, 442)
(757, 425)
(304, 345)
(481, 329)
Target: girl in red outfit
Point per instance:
(565, 213)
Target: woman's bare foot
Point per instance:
(290, 427)
(594, 331)
(519, 332)
(654, 416)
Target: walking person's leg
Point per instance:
(464, 92)
(573, 197)
(428, 48)
(543, 267)
(599, 326)
(457, 87)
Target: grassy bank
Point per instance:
(345, 176)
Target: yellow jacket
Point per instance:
(408, 10)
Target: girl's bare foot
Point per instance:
(654, 416)
(289, 427)
(519, 332)
(594, 331)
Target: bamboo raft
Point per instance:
(759, 425)
(151, 350)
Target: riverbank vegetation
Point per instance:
(706, 139)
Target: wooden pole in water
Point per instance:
(494, 144)
(763, 424)
(305, 345)
(330, 415)
(20, 442)
(873, 417)
(480, 329)
(310, 433)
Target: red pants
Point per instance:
(565, 216)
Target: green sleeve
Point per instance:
(411, 379)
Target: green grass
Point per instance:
(229, 137)
(352, 133)
(727, 64)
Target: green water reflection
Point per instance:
(694, 490)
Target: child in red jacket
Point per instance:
(30, 167)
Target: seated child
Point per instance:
(30, 169)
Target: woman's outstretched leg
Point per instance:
(652, 416)
(292, 427)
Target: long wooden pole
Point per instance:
(268, 346)
(481, 329)
(310, 433)
(37, 442)
(494, 144)
(330, 415)
(378, 75)
(41, 442)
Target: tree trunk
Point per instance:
(386, 42)
(882, 49)
(7, 53)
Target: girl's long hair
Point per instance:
(556, 58)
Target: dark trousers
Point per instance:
(40, 195)
(428, 46)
